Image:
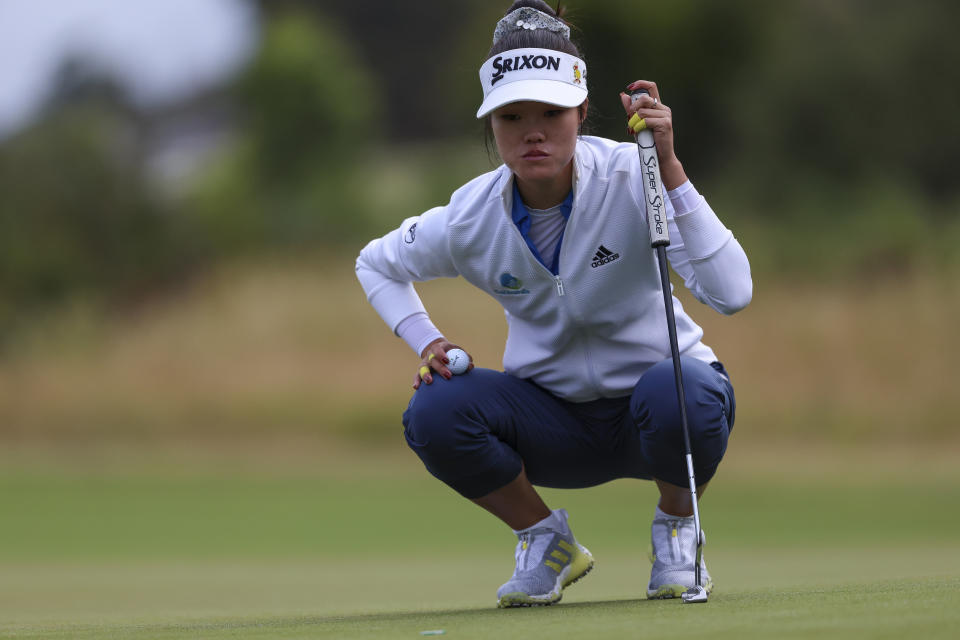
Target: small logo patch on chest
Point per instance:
(510, 285)
(603, 256)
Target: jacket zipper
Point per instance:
(584, 338)
(558, 281)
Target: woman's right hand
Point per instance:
(434, 359)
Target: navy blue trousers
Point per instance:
(475, 432)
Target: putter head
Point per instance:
(694, 595)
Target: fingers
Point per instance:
(651, 87)
(438, 363)
(644, 103)
(630, 104)
(432, 362)
(650, 100)
(646, 111)
(657, 117)
(637, 123)
(658, 125)
(440, 344)
(422, 374)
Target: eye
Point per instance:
(509, 117)
(553, 113)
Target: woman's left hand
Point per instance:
(659, 119)
(434, 358)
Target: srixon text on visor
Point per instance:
(518, 63)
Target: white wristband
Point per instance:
(418, 331)
(702, 231)
(684, 198)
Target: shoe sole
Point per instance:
(668, 591)
(581, 565)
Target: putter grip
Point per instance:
(652, 184)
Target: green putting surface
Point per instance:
(366, 549)
(881, 610)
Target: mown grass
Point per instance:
(893, 609)
(370, 545)
(350, 504)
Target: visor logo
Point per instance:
(503, 66)
(577, 76)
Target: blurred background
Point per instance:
(185, 185)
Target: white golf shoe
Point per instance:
(674, 553)
(548, 559)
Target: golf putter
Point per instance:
(659, 239)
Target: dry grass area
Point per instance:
(846, 361)
(289, 355)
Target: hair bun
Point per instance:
(528, 18)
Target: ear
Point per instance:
(583, 109)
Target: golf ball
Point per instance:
(459, 361)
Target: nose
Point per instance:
(534, 135)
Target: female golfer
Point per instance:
(558, 236)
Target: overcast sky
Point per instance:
(160, 50)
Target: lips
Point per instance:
(535, 154)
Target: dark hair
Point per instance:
(530, 39)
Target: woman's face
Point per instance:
(536, 140)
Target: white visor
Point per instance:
(540, 75)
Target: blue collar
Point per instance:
(521, 218)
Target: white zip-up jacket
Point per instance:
(596, 327)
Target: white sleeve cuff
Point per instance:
(702, 231)
(418, 331)
(684, 198)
